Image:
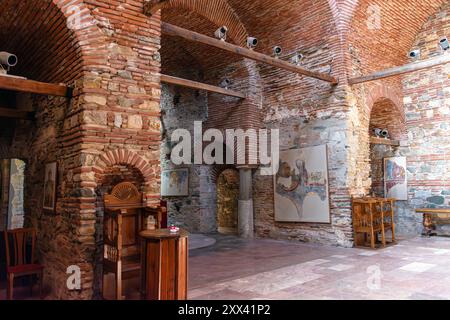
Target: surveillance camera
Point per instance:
(225, 83)
(277, 51)
(381, 133)
(8, 59)
(221, 33)
(415, 54)
(445, 45)
(252, 42)
(297, 58)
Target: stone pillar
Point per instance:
(245, 207)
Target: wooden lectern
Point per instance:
(164, 264)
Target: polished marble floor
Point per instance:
(417, 268)
(232, 268)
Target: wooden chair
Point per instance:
(123, 220)
(368, 220)
(20, 261)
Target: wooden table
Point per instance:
(164, 264)
(428, 213)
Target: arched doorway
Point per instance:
(227, 201)
(385, 115)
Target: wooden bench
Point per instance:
(440, 215)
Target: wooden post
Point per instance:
(407, 68)
(200, 86)
(247, 53)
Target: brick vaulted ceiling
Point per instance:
(400, 22)
(39, 36)
(297, 24)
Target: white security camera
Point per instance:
(252, 42)
(277, 51)
(221, 33)
(225, 83)
(297, 58)
(8, 59)
(445, 45)
(415, 54)
(381, 133)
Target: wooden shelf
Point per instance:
(24, 85)
(387, 142)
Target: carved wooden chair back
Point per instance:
(20, 244)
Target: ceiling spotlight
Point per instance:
(277, 51)
(221, 33)
(445, 45)
(415, 54)
(297, 58)
(252, 42)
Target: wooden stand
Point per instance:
(373, 216)
(125, 212)
(164, 265)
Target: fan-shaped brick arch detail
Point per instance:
(122, 157)
(218, 11)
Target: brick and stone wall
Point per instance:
(111, 129)
(427, 109)
(112, 122)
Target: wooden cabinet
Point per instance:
(371, 217)
(164, 273)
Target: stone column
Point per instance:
(245, 208)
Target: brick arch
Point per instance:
(217, 170)
(219, 12)
(34, 35)
(385, 107)
(115, 157)
(380, 92)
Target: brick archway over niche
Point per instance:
(218, 11)
(379, 92)
(386, 110)
(126, 157)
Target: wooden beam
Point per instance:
(152, 6)
(200, 86)
(387, 142)
(15, 114)
(247, 53)
(407, 68)
(30, 86)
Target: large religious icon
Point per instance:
(175, 183)
(50, 186)
(395, 178)
(301, 186)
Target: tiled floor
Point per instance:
(233, 268)
(416, 268)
